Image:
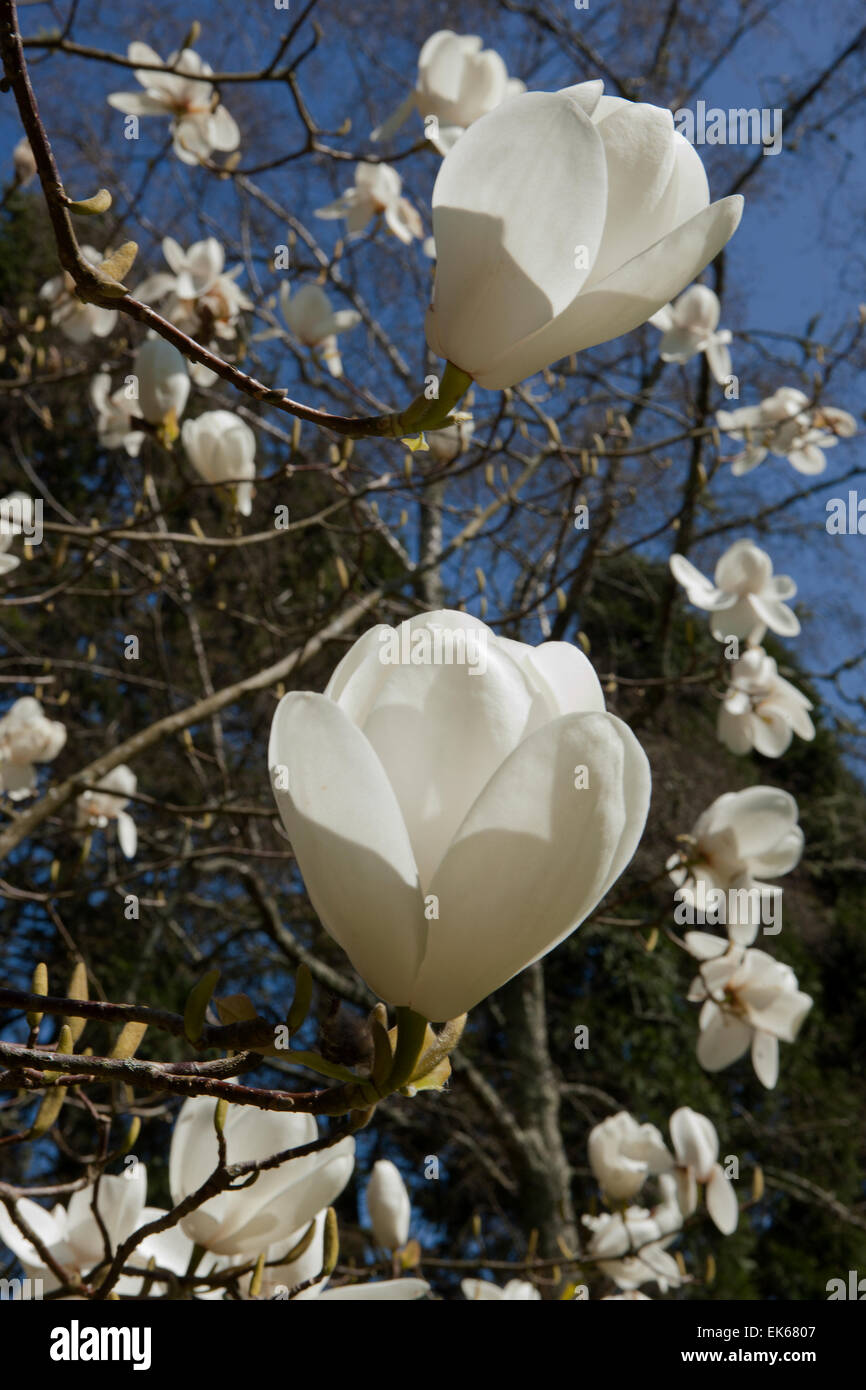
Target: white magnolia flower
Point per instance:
(76, 320)
(23, 162)
(376, 190)
(222, 449)
(449, 443)
(74, 1237)
(378, 1291)
(749, 1000)
(691, 325)
(746, 598)
(624, 205)
(785, 425)
(455, 819)
(623, 1153)
(200, 293)
(282, 1201)
(389, 1206)
(99, 808)
(737, 842)
(485, 1291)
(762, 710)
(696, 1145)
(457, 82)
(199, 124)
(630, 1247)
(16, 514)
(115, 424)
(26, 737)
(309, 315)
(163, 381)
(633, 1296)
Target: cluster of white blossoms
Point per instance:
(179, 88)
(201, 297)
(785, 424)
(281, 1215)
(630, 1243)
(761, 710)
(749, 1000)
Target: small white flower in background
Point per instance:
(449, 443)
(786, 425)
(26, 737)
(630, 1247)
(611, 182)
(485, 1291)
(76, 320)
(737, 842)
(623, 1154)
(23, 162)
(309, 315)
(746, 598)
(222, 449)
(199, 124)
(458, 81)
(99, 808)
(115, 424)
(749, 1000)
(696, 1145)
(376, 190)
(14, 504)
(74, 1237)
(163, 382)
(389, 1206)
(275, 1209)
(691, 325)
(198, 288)
(500, 829)
(762, 710)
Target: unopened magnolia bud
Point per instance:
(389, 1206)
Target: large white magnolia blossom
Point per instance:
(485, 1291)
(27, 736)
(377, 189)
(696, 1145)
(458, 81)
(309, 315)
(597, 215)
(73, 1236)
(691, 325)
(115, 418)
(280, 1204)
(99, 808)
(786, 425)
(458, 803)
(199, 290)
(623, 1154)
(389, 1205)
(163, 381)
(16, 515)
(749, 1000)
(737, 842)
(630, 1246)
(746, 598)
(762, 710)
(179, 88)
(222, 449)
(76, 320)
